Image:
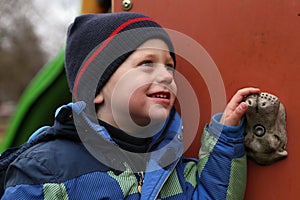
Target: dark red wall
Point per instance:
(253, 43)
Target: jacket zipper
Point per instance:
(166, 178)
(140, 181)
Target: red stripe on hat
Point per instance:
(101, 47)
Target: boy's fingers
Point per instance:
(241, 109)
(236, 108)
(247, 91)
(242, 93)
(237, 114)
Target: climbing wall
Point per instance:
(252, 43)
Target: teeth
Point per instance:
(160, 96)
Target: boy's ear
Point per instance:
(99, 98)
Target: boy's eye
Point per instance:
(170, 68)
(147, 64)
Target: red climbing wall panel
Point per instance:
(253, 43)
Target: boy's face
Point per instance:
(142, 89)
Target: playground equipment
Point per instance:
(252, 43)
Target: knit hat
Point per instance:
(97, 44)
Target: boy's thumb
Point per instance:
(238, 113)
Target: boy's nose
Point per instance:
(164, 75)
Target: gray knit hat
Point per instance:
(97, 44)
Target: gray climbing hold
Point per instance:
(265, 129)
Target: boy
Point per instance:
(131, 147)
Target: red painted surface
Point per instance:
(253, 43)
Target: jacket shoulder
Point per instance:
(53, 161)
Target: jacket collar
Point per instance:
(165, 149)
(159, 162)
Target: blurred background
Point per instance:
(31, 34)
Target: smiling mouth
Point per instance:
(160, 95)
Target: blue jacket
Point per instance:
(67, 165)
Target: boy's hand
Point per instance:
(235, 109)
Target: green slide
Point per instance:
(36, 108)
